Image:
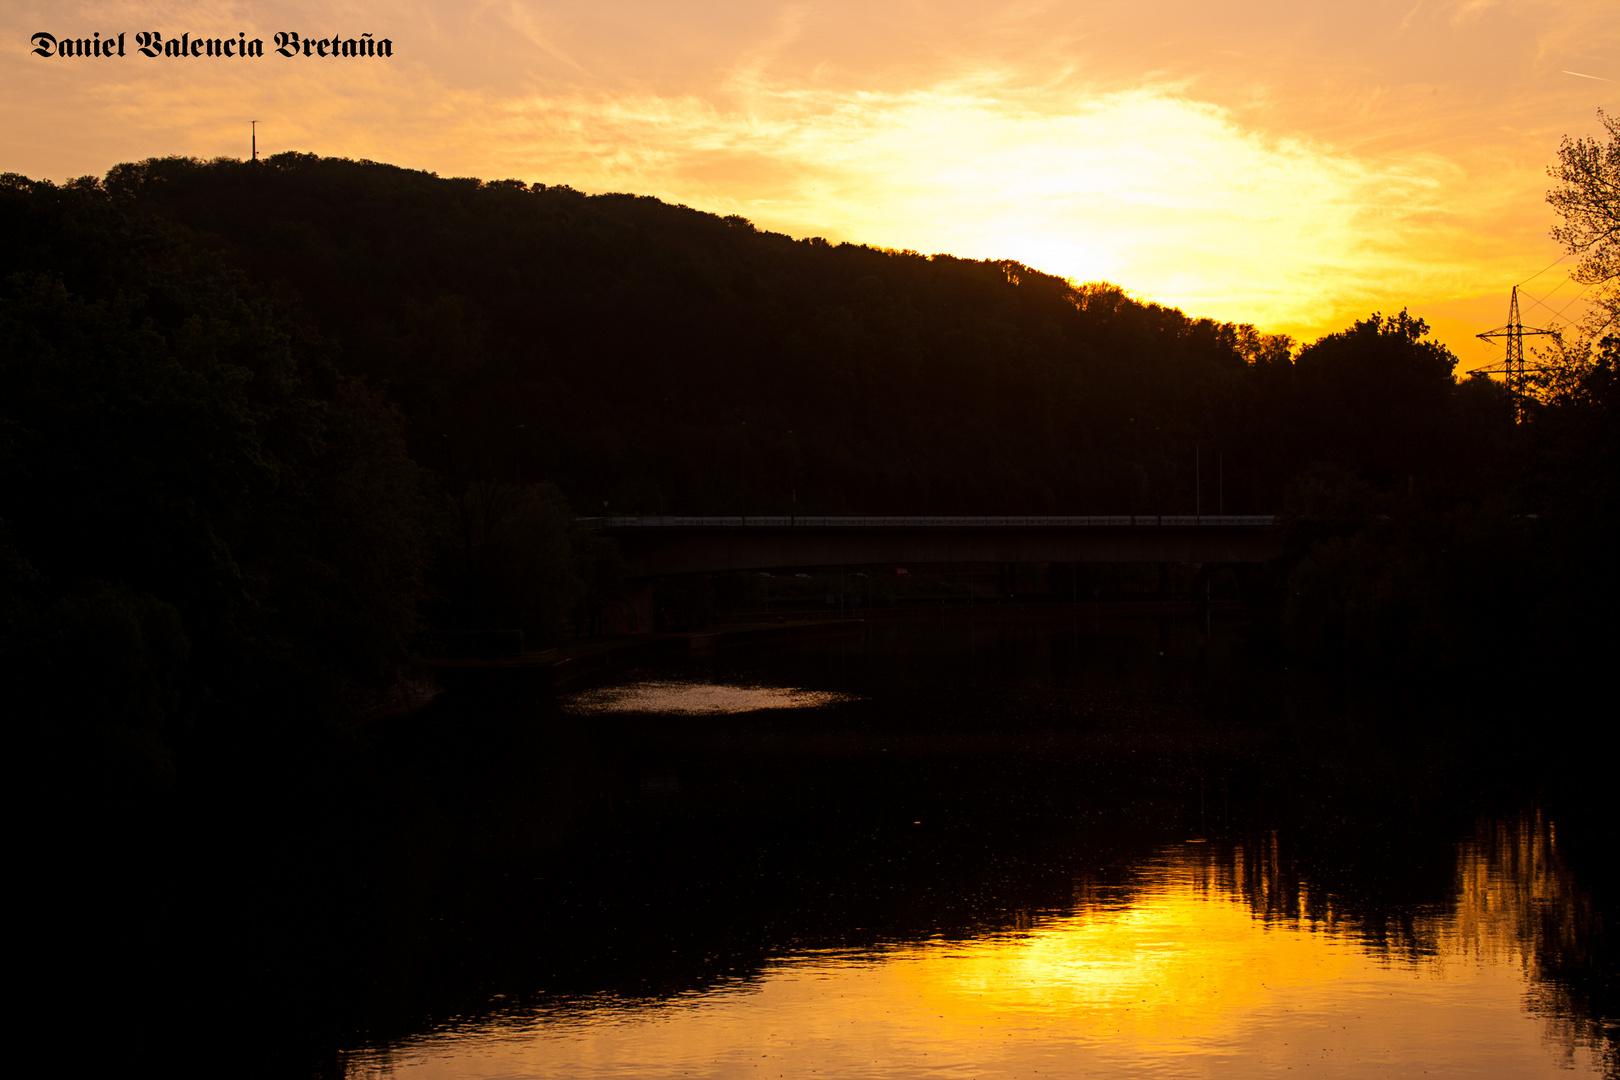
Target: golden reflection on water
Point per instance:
(697, 699)
(1207, 963)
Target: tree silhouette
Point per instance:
(1588, 199)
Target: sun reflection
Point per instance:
(1177, 962)
(697, 699)
(1205, 961)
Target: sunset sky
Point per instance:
(1291, 165)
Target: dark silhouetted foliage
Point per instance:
(550, 353)
(647, 356)
(201, 509)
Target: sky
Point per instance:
(1291, 165)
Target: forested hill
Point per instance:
(644, 355)
(259, 423)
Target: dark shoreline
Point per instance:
(555, 667)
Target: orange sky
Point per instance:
(1292, 165)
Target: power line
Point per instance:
(1543, 300)
(1573, 300)
(1559, 312)
(1546, 268)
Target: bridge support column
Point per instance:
(1065, 579)
(641, 606)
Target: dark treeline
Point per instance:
(260, 417)
(200, 510)
(642, 354)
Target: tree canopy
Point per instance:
(198, 506)
(648, 356)
(259, 416)
(1588, 199)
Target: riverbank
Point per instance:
(551, 668)
(543, 669)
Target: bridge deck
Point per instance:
(922, 522)
(658, 546)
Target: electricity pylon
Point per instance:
(1513, 367)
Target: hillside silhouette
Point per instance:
(261, 424)
(646, 356)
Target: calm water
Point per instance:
(958, 849)
(1177, 975)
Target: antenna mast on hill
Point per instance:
(1513, 367)
(255, 124)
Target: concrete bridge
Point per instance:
(661, 546)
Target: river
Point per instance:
(974, 846)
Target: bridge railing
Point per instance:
(778, 521)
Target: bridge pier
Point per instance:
(641, 605)
(1067, 580)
